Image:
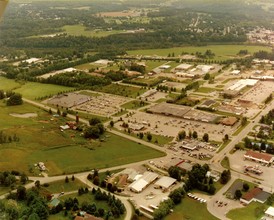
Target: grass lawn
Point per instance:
(33, 90)
(8, 84)
(225, 163)
(62, 186)
(190, 209)
(151, 81)
(42, 140)
(150, 64)
(80, 30)
(123, 90)
(253, 211)
(135, 104)
(89, 198)
(224, 144)
(222, 52)
(238, 131)
(205, 90)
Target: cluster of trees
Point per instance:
(34, 206)
(225, 176)
(7, 179)
(8, 138)
(206, 55)
(95, 130)
(268, 119)
(182, 135)
(176, 173)
(117, 207)
(165, 88)
(12, 98)
(194, 85)
(197, 179)
(262, 146)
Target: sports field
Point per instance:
(222, 52)
(41, 140)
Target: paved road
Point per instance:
(214, 162)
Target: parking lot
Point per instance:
(170, 126)
(105, 104)
(237, 163)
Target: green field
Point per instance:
(123, 90)
(222, 52)
(79, 30)
(205, 90)
(8, 84)
(135, 104)
(190, 209)
(253, 211)
(32, 90)
(62, 152)
(62, 186)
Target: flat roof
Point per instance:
(270, 211)
(165, 182)
(183, 66)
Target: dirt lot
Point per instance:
(170, 126)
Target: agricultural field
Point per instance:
(41, 140)
(222, 52)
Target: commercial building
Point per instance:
(165, 182)
(256, 195)
(270, 212)
(229, 121)
(265, 159)
(183, 67)
(69, 100)
(140, 184)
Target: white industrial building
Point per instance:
(183, 67)
(140, 184)
(270, 212)
(165, 182)
(242, 84)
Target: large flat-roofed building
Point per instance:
(236, 88)
(165, 182)
(259, 157)
(169, 109)
(69, 100)
(140, 184)
(183, 67)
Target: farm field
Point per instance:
(222, 52)
(188, 210)
(41, 140)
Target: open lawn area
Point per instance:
(62, 152)
(123, 90)
(32, 90)
(62, 186)
(80, 30)
(190, 209)
(8, 84)
(222, 52)
(135, 104)
(253, 211)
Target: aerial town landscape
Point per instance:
(136, 110)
